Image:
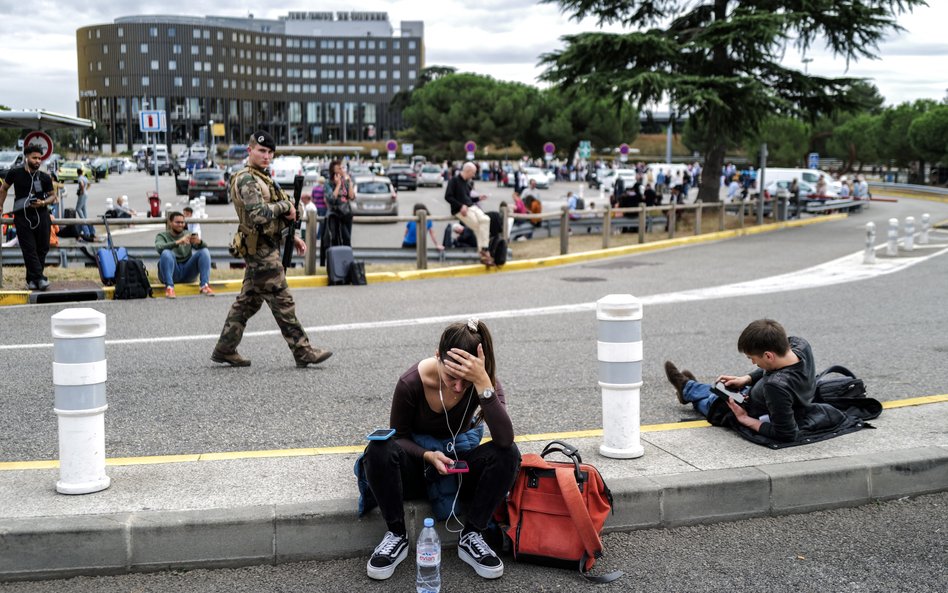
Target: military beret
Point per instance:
(264, 139)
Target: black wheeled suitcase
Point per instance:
(338, 261)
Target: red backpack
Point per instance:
(556, 511)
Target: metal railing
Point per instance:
(605, 219)
(921, 189)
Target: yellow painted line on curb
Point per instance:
(356, 449)
(21, 297)
(915, 401)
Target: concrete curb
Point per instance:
(21, 297)
(57, 547)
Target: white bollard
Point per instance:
(892, 244)
(108, 204)
(926, 226)
(620, 374)
(167, 209)
(869, 257)
(909, 242)
(79, 375)
(582, 188)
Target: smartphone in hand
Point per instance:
(458, 467)
(721, 389)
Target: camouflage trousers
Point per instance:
(264, 280)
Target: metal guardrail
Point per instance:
(922, 189)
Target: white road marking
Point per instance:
(838, 271)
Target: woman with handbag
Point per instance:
(439, 409)
(339, 194)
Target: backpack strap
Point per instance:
(836, 368)
(583, 523)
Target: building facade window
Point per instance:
(144, 48)
(145, 81)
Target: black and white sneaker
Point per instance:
(387, 555)
(474, 550)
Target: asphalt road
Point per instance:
(892, 547)
(167, 397)
(137, 185)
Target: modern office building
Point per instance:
(308, 77)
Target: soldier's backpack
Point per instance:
(556, 511)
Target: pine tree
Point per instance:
(720, 60)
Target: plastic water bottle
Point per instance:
(428, 559)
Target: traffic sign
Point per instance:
(585, 149)
(813, 160)
(469, 146)
(152, 121)
(408, 149)
(41, 139)
(391, 146)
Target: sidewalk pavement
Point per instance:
(268, 507)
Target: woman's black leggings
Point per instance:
(394, 477)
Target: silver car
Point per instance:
(431, 175)
(375, 196)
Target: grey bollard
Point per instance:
(909, 242)
(620, 374)
(892, 243)
(869, 257)
(79, 375)
(926, 226)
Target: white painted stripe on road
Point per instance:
(838, 271)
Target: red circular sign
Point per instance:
(624, 149)
(549, 148)
(41, 139)
(469, 146)
(391, 145)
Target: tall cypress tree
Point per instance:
(720, 60)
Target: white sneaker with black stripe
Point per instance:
(474, 550)
(387, 555)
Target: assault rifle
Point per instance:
(291, 233)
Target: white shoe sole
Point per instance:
(380, 574)
(483, 571)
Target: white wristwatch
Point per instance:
(487, 394)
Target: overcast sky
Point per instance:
(502, 38)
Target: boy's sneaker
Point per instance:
(474, 550)
(387, 555)
(169, 292)
(206, 290)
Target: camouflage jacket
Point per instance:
(260, 203)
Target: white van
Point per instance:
(284, 170)
(811, 176)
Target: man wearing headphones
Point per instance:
(33, 193)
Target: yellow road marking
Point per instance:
(356, 449)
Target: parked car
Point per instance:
(781, 188)
(608, 179)
(375, 195)
(402, 175)
(237, 152)
(431, 175)
(117, 166)
(376, 168)
(99, 168)
(209, 183)
(10, 159)
(69, 171)
(284, 170)
(537, 174)
(359, 170)
(310, 173)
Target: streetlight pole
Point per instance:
(806, 65)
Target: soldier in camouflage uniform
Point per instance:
(264, 212)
